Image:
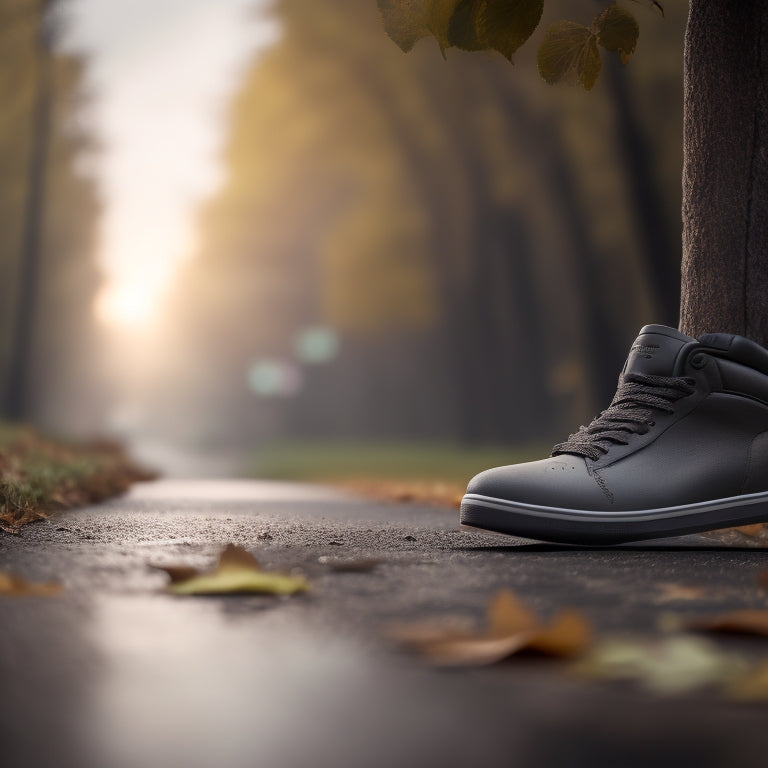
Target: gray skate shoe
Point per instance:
(682, 448)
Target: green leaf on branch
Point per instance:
(463, 29)
(569, 53)
(407, 21)
(651, 4)
(617, 31)
(504, 25)
(472, 25)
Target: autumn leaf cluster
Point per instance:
(568, 52)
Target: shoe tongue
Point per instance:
(656, 351)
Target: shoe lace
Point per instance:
(630, 412)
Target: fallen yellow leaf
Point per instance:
(671, 665)
(237, 572)
(12, 585)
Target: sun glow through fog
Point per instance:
(161, 76)
(127, 305)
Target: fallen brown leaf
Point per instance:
(755, 529)
(237, 572)
(475, 651)
(12, 585)
(237, 557)
(512, 627)
(752, 686)
(7, 528)
(672, 593)
(177, 573)
(569, 635)
(508, 615)
(746, 622)
(432, 492)
(754, 536)
(417, 635)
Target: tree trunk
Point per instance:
(725, 172)
(17, 394)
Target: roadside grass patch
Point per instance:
(39, 475)
(420, 472)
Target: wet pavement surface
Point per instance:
(118, 673)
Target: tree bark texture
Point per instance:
(725, 171)
(17, 394)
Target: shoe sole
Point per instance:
(578, 526)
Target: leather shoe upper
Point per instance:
(709, 442)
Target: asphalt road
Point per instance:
(117, 673)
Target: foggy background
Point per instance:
(261, 224)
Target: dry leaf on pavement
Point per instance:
(350, 564)
(744, 622)
(672, 665)
(512, 627)
(752, 686)
(237, 572)
(674, 593)
(177, 573)
(12, 585)
(754, 529)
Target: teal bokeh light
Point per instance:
(269, 377)
(316, 344)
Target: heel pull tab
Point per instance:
(737, 348)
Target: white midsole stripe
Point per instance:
(614, 517)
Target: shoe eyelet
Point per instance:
(698, 361)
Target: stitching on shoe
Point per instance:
(748, 468)
(602, 485)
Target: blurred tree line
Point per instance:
(48, 211)
(484, 246)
